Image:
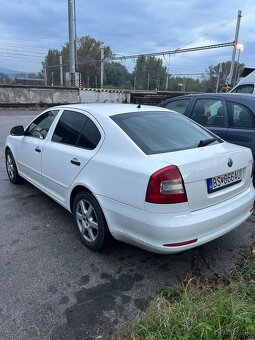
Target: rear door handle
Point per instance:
(75, 161)
(37, 149)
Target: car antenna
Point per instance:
(139, 106)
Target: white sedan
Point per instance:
(142, 174)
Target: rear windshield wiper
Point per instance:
(208, 141)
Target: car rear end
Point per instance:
(197, 194)
(198, 210)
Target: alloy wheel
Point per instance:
(87, 220)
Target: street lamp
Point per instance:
(240, 48)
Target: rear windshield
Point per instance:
(160, 132)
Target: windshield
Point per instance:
(160, 132)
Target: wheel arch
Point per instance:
(7, 148)
(75, 191)
(79, 188)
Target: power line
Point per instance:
(6, 54)
(7, 50)
(178, 50)
(211, 30)
(23, 47)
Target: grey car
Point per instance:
(229, 115)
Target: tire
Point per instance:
(90, 221)
(11, 168)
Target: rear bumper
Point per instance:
(152, 230)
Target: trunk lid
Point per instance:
(198, 165)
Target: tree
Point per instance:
(188, 84)
(5, 79)
(117, 76)
(220, 71)
(149, 73)
(88, 61)
(52, 62)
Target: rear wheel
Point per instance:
(11, 168)
(90, 221)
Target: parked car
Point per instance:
(143, 174)
(229, 115)
(247, 82)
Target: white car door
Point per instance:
(30, 146)
(75, 140)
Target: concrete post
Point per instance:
(102, 67)
(71, 24)
(61, 70)
(230, 77)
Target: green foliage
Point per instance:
(204, 309)
(189, 84)
(52, 62)
(5, 79)
(117, 76)
(88, 57)
(28, 75)
(88, 61)
(150, 74)
(222, 71)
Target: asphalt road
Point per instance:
(52, 287)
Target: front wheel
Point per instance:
(90, 221)
(11, 168)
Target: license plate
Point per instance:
(223, 181)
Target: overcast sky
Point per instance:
(30, 27)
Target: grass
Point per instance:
(200, 308)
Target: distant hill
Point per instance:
(10, 73)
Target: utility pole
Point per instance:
(218, 78)
(44, 73)
(61, 70)
(167, 72)
(148, 82)
(75, 35)
(167, 81)
(184, 84)
(230, 77)
(102, 67)
(71, 25)
(52, 78)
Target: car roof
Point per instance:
(229, 96)
(108, 109)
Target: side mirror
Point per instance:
(17, 130)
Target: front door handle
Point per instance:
(37, 149)
(75, 161)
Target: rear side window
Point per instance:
(90, 136)
(178, 105)
(76, 129)
(159, 132)
(209, 112)
(247, 88)
(240, 116)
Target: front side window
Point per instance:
(209, 112)
(41, 125)
(75, 128)
(160, 132)
(178, 105)
(240, 116)
(247, 88)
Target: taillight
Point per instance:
(166, 187)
